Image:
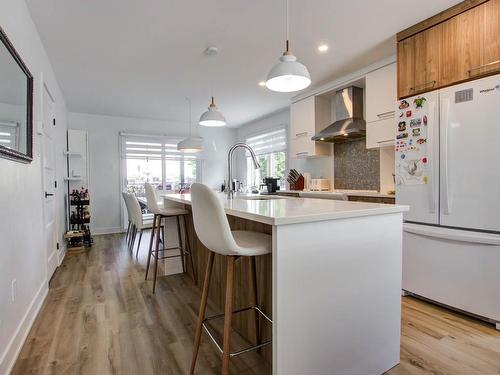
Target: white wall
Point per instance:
(104, 159)
(318, 167)
(22, 252)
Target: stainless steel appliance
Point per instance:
(349, 124)
(270, 184)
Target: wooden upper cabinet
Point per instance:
(406, 67)
(427, 62)
(460, 46)
(457, 45)
(490, 47)
(419, 62)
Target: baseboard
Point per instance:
(61, 254)
(112, 230)
(11, 353)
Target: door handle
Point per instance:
(48, 195)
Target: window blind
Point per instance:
(152, 148)
(268, 142)
(8, 134)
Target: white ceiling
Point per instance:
(141, 58)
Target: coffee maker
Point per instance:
(269, 185)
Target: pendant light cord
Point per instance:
(287, 27)
(189, 107)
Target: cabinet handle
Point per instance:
(386, 114)
(482, 66)
(423, 86)
(301, 153)
(300, 134)
(388, 142)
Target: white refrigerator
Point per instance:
(448, 172)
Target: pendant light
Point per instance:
(212, 117)
(191, 143)
(288, 75)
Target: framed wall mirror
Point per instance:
(16, 104)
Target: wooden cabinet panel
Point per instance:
(490, 46)
(463, 46)
(460, 46)
(427, 62)
(368, 199)
(406, 66)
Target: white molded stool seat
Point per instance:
(213, 230)
(251, 243)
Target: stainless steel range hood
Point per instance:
(349, 124)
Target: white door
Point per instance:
(470, 155)
(417, 157)
(49, 181)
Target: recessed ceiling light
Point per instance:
(262, 83)
(323, 48)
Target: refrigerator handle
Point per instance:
(445, 127)
(453, 234)
(431, 190)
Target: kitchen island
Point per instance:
(332, 283)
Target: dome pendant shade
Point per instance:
(190, 144)
(288, 75)
(212, 117)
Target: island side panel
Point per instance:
(337, 289)
(243, 323)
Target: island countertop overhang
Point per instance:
(283, 210)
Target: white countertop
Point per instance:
(284, 210)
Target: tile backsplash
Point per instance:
(355, 167)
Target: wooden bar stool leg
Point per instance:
(228, 313)
(130, 235)
(138, 244)
(158, 230)
(134, 234)
(128, 229)
(203, 307)
(181, 244)
(255, 302)
(150, 246)
(188, 246)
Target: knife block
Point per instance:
(298, 185)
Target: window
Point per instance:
(9, 134)
(156, 160)
(270, 148)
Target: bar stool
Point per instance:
(129, 227)
(212, 229)
(137, 221)
(140, 221)
(160, 211)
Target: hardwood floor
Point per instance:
(100, 317)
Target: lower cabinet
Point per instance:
(363, 198)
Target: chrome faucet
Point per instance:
(229, 186)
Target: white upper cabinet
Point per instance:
(381, 93)
(307, 117)
(380, 98)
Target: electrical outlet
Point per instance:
(14, 289)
